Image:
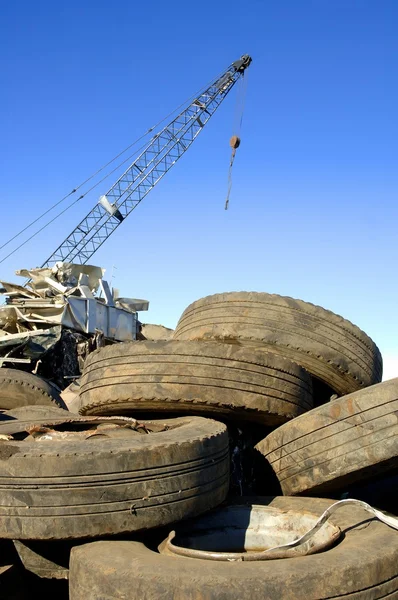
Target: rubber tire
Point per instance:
(328, 346)
(90, 488)
(194, 377)
(362, 566)
(349, 440)
(33, 412)
(18, 388)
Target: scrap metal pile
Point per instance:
(61, 314)
(207, 464)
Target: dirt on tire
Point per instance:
(350, 440)
(96, 486)
(363, 564)
(18, 388)
(210, 379)
(329, 347)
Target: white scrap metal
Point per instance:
(66, 295)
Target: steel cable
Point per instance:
(190, 99)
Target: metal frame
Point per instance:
(162, 152)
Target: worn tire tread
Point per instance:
(350, 361)
(350, 439)
(192, 376)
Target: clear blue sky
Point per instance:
(313, 210)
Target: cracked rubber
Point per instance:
(349, 440)
(326, 345)
(18, 388)
(363, 565)
(103, 486)
(194, 377)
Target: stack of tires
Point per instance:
(255, 393)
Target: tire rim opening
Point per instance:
(254, 532)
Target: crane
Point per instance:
(48, 326)
(162, 152)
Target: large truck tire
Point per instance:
(210, 379)
(55, 489)
(363, 565)
(329, 347)
(349, 440)
(18, 388)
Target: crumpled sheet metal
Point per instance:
(32, 344)
(12, 289)
(132, 304)
(26, 314)
(8, 321)
(83, 315)
(63, 295)
(282, 550)
(36, 426)
(66, 274)
(90, 316)
(248, 533)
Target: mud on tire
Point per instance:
(196, 378)
(351, 439)
(329, 347)
(18, 388)
(102, 486)
(363, 565)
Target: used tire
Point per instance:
(194, 377)
(18, 388)
(349, 440)
(102, 486)
(363, 565)
(31, 412)
(329, 347)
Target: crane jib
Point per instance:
(163, 151)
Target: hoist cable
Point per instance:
(238, 103)
(70, 205)
(238, 118)
(92, 177)
(65, 210)
(243, 100)
(74, 191)
(39, 231)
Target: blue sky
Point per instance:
(313, 210)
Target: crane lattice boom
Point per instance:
(162, 152)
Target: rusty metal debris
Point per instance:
(37, 426)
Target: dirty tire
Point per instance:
(103, 486)
(31, 412)
(349, 440)
(328, 346)
(362, 566)
(194, 377)
(18, 388)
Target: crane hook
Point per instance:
(234, 142)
